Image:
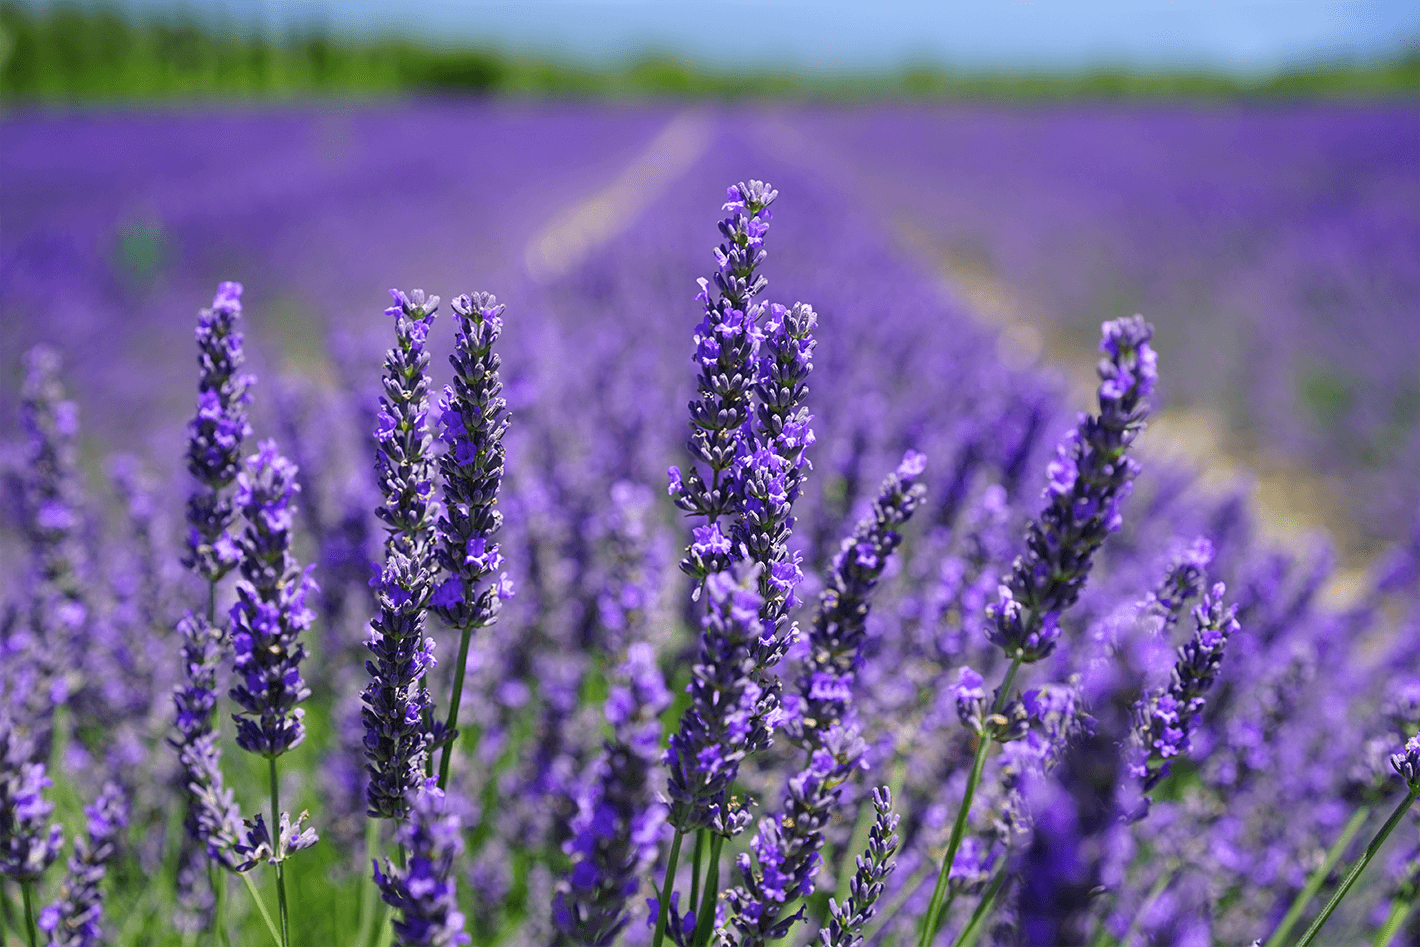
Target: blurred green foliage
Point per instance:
(72, 52)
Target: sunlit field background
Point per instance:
(961, 233)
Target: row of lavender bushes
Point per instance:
(1104, 707)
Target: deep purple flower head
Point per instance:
(396, 702)
(424, 891)
(27, 845)
(271, 610)
(845, 924)
(1165, 720)
(1407, 764)
(474, 422)
(730, 715)
(726, 349)
(215, 434)
(840, 625)
(404, 462)
(1091, 474)
(786, 848)
(74, 920)
(617, 830)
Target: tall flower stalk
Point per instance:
(396, 702)
(474, 422)
(74, 920)
(214, 458)
(267, 620)
(423, 888)
(1089, 478)
(617, 830)
(730, 716)
(1407, 765)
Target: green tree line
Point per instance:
(80, 52)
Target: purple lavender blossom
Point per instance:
(59, 611)
(1166, 719)
(730, 715)
(396, 702)
(472, 413)
(726, 343)
(271, 611)
(472, 466)
(846, 922)
(404, 465)
(215, 434)
(74, 920)
(772, 476)
(1090, 476)
(213, 819)
(786, 847)
(27, 846)
(424, 891)
(824, 695)
(1407, 764)
(617, 830)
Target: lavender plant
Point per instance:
(1090, 476)
(473, 419)
(267, 620)
(548, 833)
(397, 707)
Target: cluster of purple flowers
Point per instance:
(928, 762)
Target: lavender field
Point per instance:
(920, 641)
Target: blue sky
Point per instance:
(1241, 36)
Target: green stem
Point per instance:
(705, 918)
(261, 906)
(1360, 866)
(695, 863)
(465, 634)
(931, 921)
(1318, 878)
(1399, 910)
(369, 900)
(219, 894)
(277, 853)
(972, 931)
(28, 889)
(665, 892)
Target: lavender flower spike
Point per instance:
(617, 830)
(270, 612)
(73, 920)
(424, 891)
(840, 626)
(786, 847)
(472, 467)
(396, 702)
(730, 716)
(27, 847)
(1164, 720)
(215, 434)
(1090, 476)
(772, 476)
(404, 464)
(726, 343)
(213, 819)
(846, 922)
